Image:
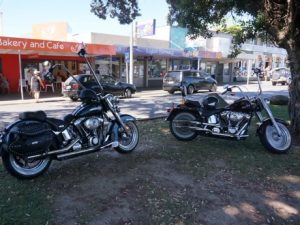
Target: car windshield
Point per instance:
(81, 78)
(107, 79)
(281, 72)
(173, 76)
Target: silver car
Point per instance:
(280, 75)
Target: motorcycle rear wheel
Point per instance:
(274, 143)
(127, 143)
(22, 169)
(182, 133)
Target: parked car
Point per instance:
(192, 79)
(72, 89)
(280, 75)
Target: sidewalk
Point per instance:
(15, 98)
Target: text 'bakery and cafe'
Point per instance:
(19, 54)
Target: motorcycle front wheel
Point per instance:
(22, 168)
(127, 143)
(272, 141)
(179, 126)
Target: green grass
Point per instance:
(22, 202)
(31, 202)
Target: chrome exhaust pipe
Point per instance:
(85, 151)
(65, 149)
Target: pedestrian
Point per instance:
(28, 77)
(4, 84)
(36, 84)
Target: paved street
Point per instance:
(144, 104)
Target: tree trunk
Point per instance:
(294, 88)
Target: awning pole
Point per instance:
(20, 71)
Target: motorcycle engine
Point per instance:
(89, 131)
(233, 120)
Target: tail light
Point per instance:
(75, 86)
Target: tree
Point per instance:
(125, 10)
(279, 19)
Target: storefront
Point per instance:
(19, 54)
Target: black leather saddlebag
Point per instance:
(28, 138)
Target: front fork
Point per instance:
(270, 114)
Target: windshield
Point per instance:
(173, 76)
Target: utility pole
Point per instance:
(131, 41)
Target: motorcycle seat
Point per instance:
(193, 103)
(36, 115)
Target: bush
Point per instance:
(279, 100)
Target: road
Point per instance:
(144, 104)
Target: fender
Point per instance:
(181, 109)
(266, 121)
(125, 118)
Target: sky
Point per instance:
(18, 16)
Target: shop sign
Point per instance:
(22, 44)
(146, 28)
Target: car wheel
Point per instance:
(171, 92)
(190, 89)
(213, 88)
(273, 83)
(128, 93)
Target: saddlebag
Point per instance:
(28, 138)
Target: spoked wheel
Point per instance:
(127, 143)
(127, 93)
(272, 141)
(23, 168)
(179, 126)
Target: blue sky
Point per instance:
(18, 16)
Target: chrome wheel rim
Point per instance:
(281, 142)
(191, 89)
(29, 167)
(128, 142)
(180, 127)
(127, 93)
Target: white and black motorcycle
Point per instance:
(212, 116)
(28, 145)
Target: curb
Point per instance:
(29, 101)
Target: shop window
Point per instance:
(138, 68)
(157, 68)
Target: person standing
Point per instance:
(4, 84)
(36, 84)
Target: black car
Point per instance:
(192, 79)
(72, 89)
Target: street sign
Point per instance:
(127, 57)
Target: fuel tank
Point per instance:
(86, 110)
(241, 105)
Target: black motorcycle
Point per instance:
(211, 115)
(28, 145)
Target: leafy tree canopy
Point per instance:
(124, 10)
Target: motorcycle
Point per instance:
(211, 115)
(28, 145)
